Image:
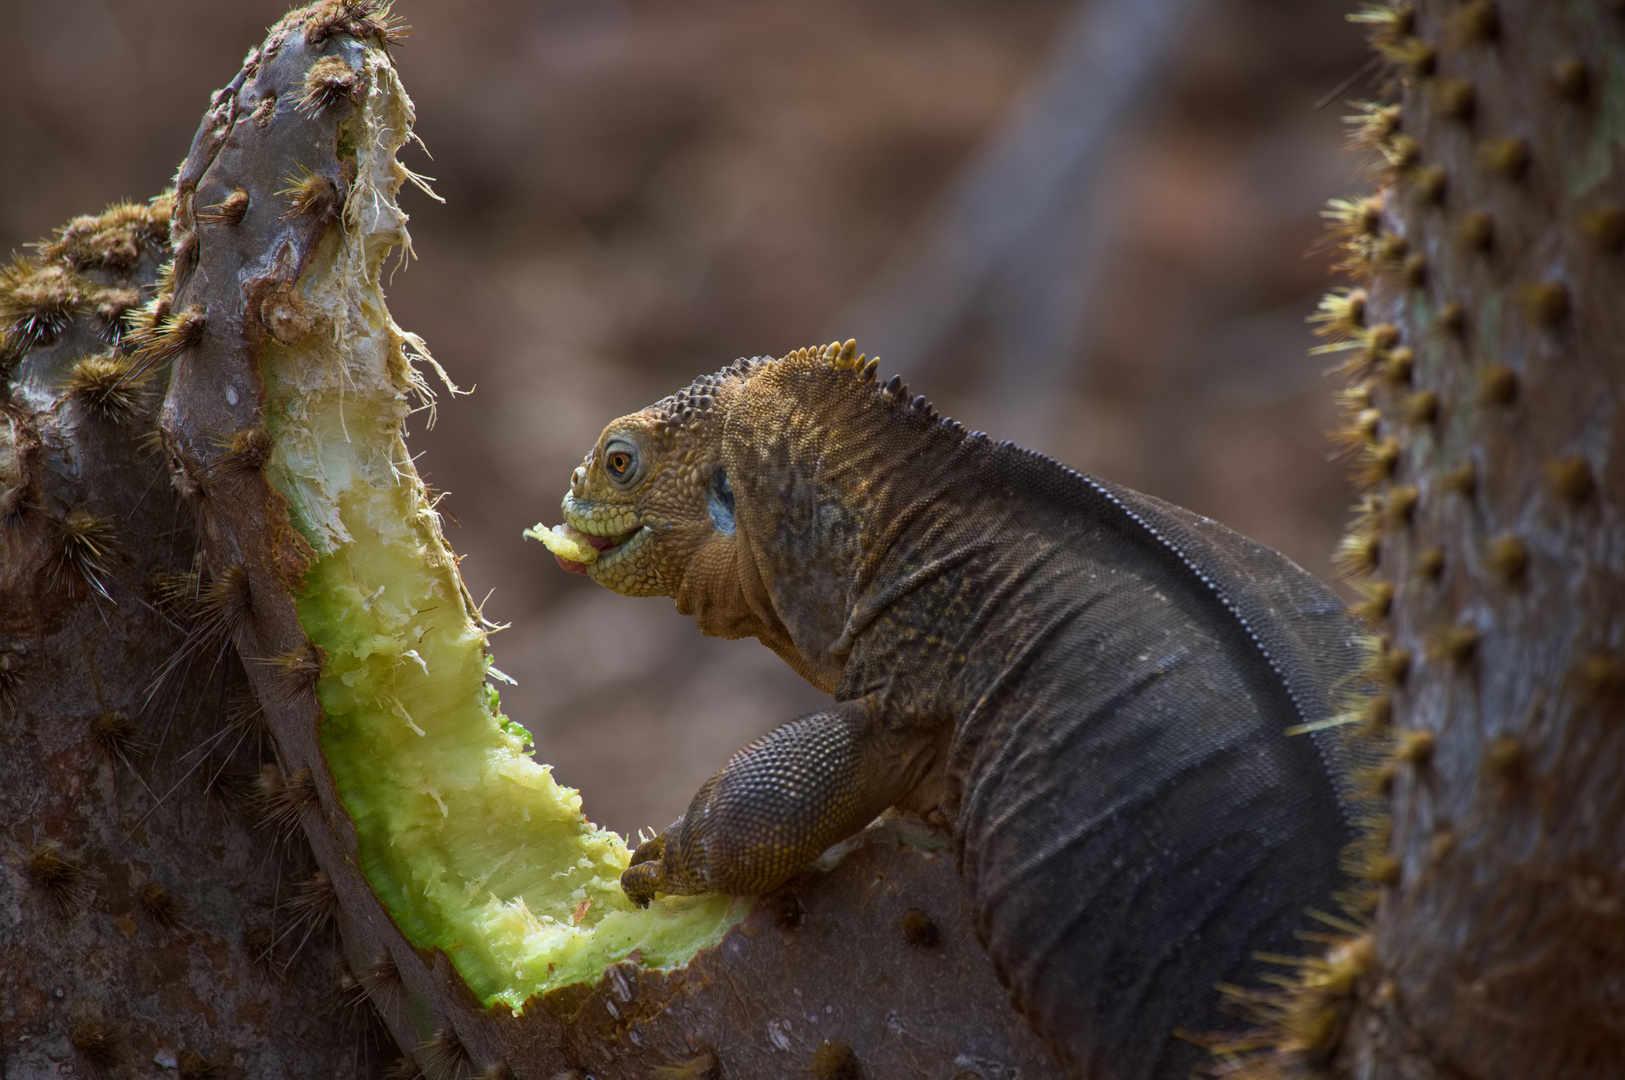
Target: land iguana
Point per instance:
(1091, 687)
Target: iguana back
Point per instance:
(1134, 823)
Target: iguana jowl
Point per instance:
(1090, 686)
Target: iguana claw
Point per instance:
(649, 849)
(647, 873)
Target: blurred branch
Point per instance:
(1022, 227)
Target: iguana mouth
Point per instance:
(575, 544)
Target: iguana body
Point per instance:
(1092, 687)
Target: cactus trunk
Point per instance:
(1486, 346)
(147, 915)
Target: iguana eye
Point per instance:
(621, 461)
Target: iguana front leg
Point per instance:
(780, 801)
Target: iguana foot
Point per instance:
(641, 882)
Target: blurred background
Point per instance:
(1089, 227)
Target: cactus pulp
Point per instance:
(473, 847)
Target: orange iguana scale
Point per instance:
(1092, 688)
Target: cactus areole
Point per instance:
(473, 847)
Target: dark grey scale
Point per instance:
(1123, 851)
(893, 385)
(1131, 821)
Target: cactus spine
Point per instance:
(1485, 350)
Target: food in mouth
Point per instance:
(573, 548)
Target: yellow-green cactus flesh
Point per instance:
(474, 848)
(563, 541)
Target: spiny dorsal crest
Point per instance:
(689, 407)
(844, 356)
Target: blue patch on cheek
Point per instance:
(720, 502)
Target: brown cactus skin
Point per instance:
(130, 890)
(1499, 934)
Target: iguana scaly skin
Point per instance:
(1091, 686)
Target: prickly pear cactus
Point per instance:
(1484, 344)
(147, 918)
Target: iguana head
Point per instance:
(653, 511)
(652, 498)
